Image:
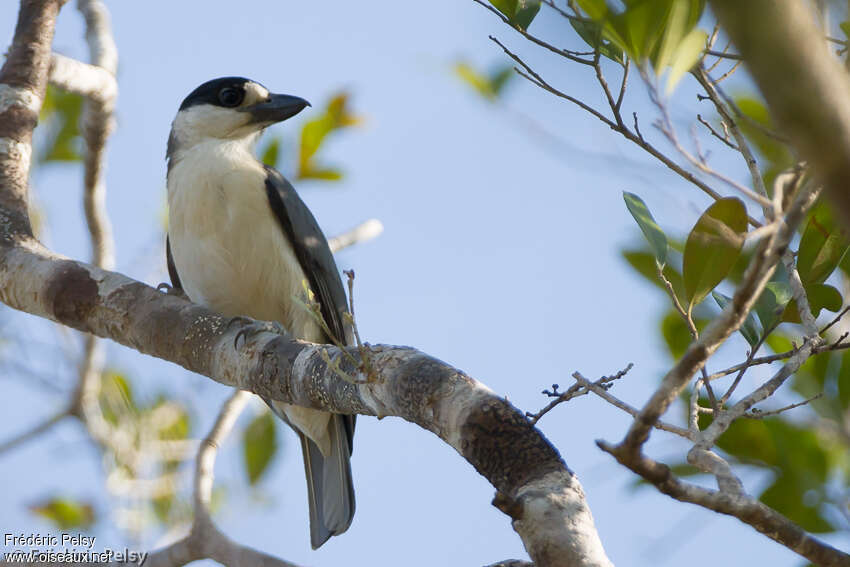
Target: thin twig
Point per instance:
(603, 393)
(723, 55)
(34, 432)
(573, 392)
(756, 413)
(562, 52)
(835, 320)
(713, 132)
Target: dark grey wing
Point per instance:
(330, 491)
(315, 257)
(172, 269)
(312, 250)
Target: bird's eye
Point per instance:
(230, 96)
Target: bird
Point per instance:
(242, 242)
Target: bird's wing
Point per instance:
(172, 269)
(312, 250)
(315, 257)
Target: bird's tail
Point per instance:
(329, 487)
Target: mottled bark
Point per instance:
(545, 499)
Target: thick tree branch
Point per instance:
(22, 81)
(550, 511)
(81, 78)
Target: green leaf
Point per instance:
(820, 296)
(500, 77)
(596, 9)
(518, 12)
(653, 233)
(823, 296)
(772, 303)
(526, 12)
(676, 334)
(61, 112)
(162, 506)
(750, 329)
(845, 27)
(591, 33)
(642, 25)
(326, 174)
(821, 250)
(645, 264)
(116, 397)
(259, 444)
(271, 153)
(713, 247)
(686, 56)
(65, 513)
(177, 428)
(488, 86)
(506, 7)
(336, 117)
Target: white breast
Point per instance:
(229, 249)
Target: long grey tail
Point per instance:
(329, 487)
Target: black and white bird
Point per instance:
(241, 242)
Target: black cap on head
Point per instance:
(225, 91)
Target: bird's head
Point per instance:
(229, 108)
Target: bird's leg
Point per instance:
(251, 327)
(171, 290)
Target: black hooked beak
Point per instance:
(277, 108)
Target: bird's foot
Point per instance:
(171, 290)
(252, 327)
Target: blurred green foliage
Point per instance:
(335, 117)
(490, 85)
(520, 13)
(259, 445)
(60, 125)
(65, 514)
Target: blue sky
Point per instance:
(499, 256)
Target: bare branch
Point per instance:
(603, 393)
(750, 511)
(82, 78)
(723, 54)
(538, 80)
(574, 391)
(667, 128)
(205, 463)
(756, 413)
(23, 79)
(571, 55)
(363, 232)
(205, 540)
(33, 432)
(835, 320)
(742, 145)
